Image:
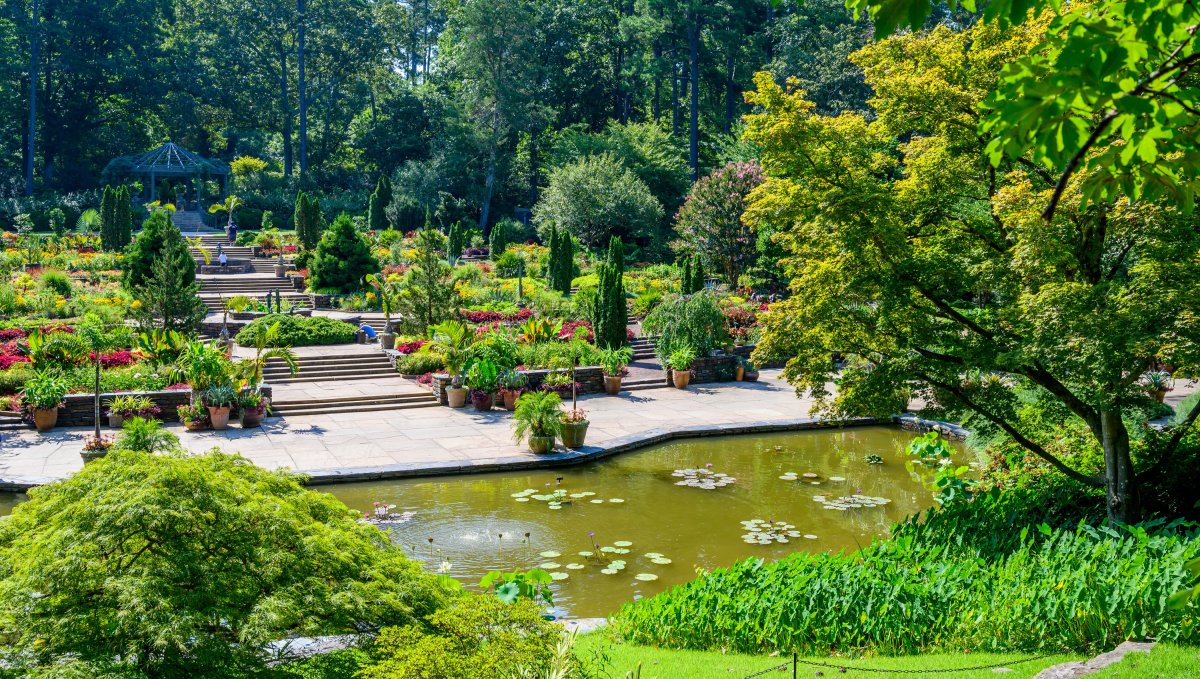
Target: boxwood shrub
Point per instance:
(299, 331)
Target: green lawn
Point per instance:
(663, 664)
(1164, 662)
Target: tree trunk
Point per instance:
(675, 84)
(286, 107)
(31, 131)
(731, 88)
(303, 86)
(693, 84)
(1120, 483)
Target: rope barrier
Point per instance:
(796, 661)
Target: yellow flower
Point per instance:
(135, 304)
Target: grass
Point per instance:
(1164, 662)
(664, 664)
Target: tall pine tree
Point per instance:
(122, 218)
(169, 296)
(563, 263)
(611, 315)
(154, 244)
(685, 278)
(108, 205)
(698, 276)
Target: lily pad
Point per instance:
(550, 554)
(616, 500)
(559, 576)
(837, 478)
(609, 571)
(597, 502)
(574, 566)
(549, 566)
(645, 577)
(585, 553)
(661, 560)
(622, 543)
(522, 499)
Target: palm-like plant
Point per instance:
(229, 206)
(389, 297)
(537, 414)
(452, 339)
(250, 370)
(89, 221)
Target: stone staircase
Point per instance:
(213, 291)
(190, 223)
(10, 421)
(313, 390)
(645, 372)
(211, 240)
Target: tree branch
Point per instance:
(1012, 431)
(1180, 430)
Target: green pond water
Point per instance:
(476, 524)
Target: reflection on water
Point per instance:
(476, 524)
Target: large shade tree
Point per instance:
(936, 274)
(145, 565)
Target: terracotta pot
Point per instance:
(482, 401)
(195, 425)
(739, 372)
(456, 397)
(510, 399)
(750, 376)
(387, 341)
(541, 444)
(219, 417)
(680, 378)
(573, 433)
(45, 418)
(252, 417)
(612, 385)
(1160, 395)
(116, 421)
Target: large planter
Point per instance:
(510, 398)
(739, 372)
(91, 455)
(252, 416)
(456, 397)
(681, 378)
(116, 420)
(280, 270)
(45, 418)
(612, 385)
(750, 376)
(219, 417)
(541, 444)
(387, 341)
(195, 425)
(573, 433)
(482, 400)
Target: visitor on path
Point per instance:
(368, 333)
(232, 233)
(224, 260)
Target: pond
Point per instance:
(645, 530)
(632, 509)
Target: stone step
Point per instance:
(317, 361)
(335, 408)
(332, 377)
(648, 384)
(353, 400)
(238, 285)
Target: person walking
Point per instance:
(224, 261)
(232, 233)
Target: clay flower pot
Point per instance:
(541, 444)
(739, 372)
(612, 384)
(482, 401)
(219, 416)
(252, 416)
(573, 433)
(456, 397)
(195, 425)
(681, 378)
(116, 420)
(45, 418)
(510, 398)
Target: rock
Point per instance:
(1080, 669)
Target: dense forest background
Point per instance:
(468, 104)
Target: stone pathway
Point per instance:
(350, 446)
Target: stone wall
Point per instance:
(590, 379)
(79, 409)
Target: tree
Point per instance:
(122, 218)
(170, 296)
(698, 276)
(309, 220)
(930, 270)
(427, 291)
(159, 240)
(173, 565)
(342, 259)
(596, 198)
(560, 261)
(377, 206)
(710, 221)
(454, 243)
(616, 253)
(611, 315)
(108, 207)
(499, 239)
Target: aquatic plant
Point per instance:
(704, 479)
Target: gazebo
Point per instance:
(170, 160)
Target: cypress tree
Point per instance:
(123, 217)
(376, 220)
(552, 259)
(170, 293)
(685, 278)
(107, 218)
(611, 315)
(616, 253)
(342, 258)
(498, 239)
(698, 276)
(565, 264)
(384, 189)
(454, 244)
(300, 215)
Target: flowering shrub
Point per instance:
(710, 220)
(9, 334)
(6, 362)
(410, 347)
(113, 359)
(495, 316)
(737, 317)
(569, 328)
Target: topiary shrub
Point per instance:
(342, 258)
(298, 331)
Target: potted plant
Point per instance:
(254, 407)
(483, 380)
(389, 295)
(43, 395)
(95, 447)
(193, 416)
(679, 362)
(125, 406)
(749, 372)
(1158, 383)
(219, 399)
(573, 427)
(537, 418)
(452, 339)
(613, 362)
(512, 383)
